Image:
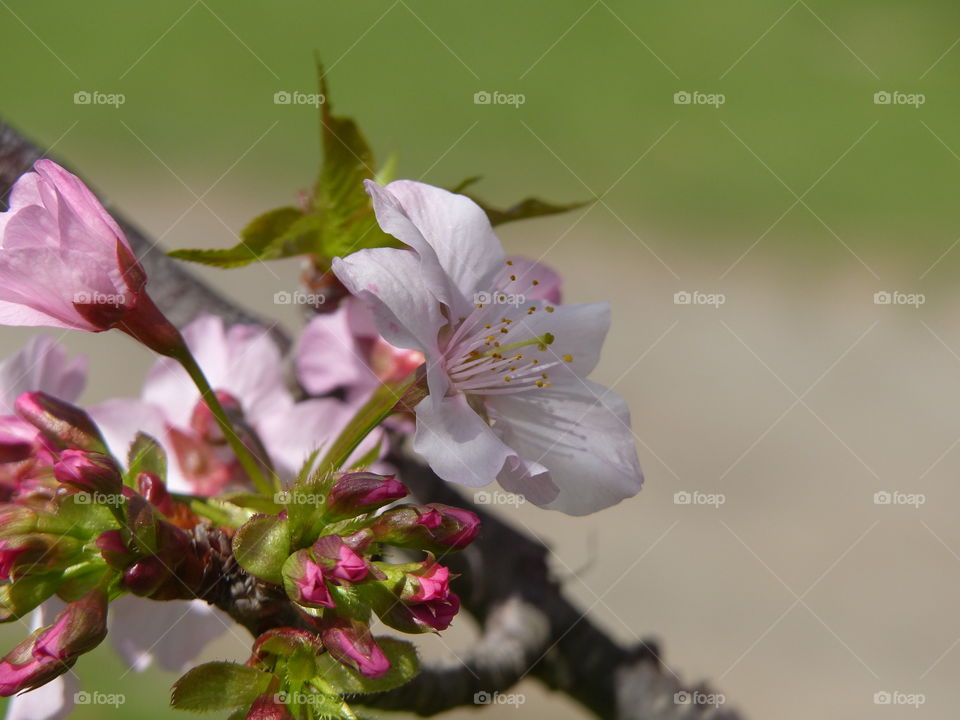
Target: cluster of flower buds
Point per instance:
(327, 547)
(71, 526)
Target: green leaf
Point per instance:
(404, 665)
(262, 545)
(146, 455)
(527, 208)
(263, 239)
(219, 686)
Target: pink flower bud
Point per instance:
(305, 581)
(361, 492)
(269, 706)
(431, 582)
(51, 651)
(145, 576)
(351, 643)
(114, 550)
(459, 527)
(20, 670)
(33, 554)
(433, 527)
(338, 560)
(63, 424)
(155, 491)
(92, 472)
(79, 628)
(436, 614)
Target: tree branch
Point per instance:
(529, 626)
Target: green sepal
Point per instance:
(219, 686)
(145, 455)
(262, 545)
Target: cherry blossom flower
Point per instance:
(244, 366)
(506, 368)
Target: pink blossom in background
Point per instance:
(244, 366)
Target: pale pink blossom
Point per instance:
(506, 369)
(244, 366)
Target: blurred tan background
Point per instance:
(795, 201)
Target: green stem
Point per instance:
(246, 458)
(381, 405)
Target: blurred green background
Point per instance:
(799, 177)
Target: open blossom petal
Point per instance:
(458, 249)
(460, 446)
(242, 360)
(407, 313)
(171, 633)
(41, 365)
(581, 432)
